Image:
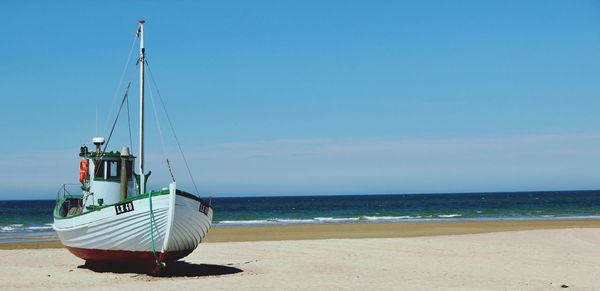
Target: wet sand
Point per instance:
(358, 230)
(385, 230)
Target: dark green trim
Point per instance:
(145, 195)
(114, 179)
(110, 154)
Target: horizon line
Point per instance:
(368, 194)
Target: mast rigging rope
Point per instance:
(172, 128)
(114, 99)
(113, 127)
(162, 139)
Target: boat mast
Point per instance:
(142, 62)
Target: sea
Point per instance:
(31, 220)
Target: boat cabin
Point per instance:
(107, 177)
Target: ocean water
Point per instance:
(26, 220)
(32, 219)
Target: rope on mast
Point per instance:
(114, 99)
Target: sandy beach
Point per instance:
(515, 255)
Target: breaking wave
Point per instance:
(18, 227)
(449, 215)
(328, 220)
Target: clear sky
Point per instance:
(312, 97)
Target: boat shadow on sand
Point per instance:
(175, 269)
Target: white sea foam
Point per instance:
(38, 227)
(388, 218)
(323, 220)
(316, 220)
(20, 227)
(379, 219)
(336, 219)
(11, 227)
(247, 222)
(448, 215)
(295, 221)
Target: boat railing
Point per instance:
(65, 190)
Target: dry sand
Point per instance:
(543, 259)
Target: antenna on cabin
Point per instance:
(96, 134)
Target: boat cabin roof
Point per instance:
(109, 155)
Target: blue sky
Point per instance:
(313, 97)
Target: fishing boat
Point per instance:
(114, 218)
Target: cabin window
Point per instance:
(113, 169)
(99, 169)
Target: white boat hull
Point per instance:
(180, 223)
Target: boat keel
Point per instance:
(108, 258)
